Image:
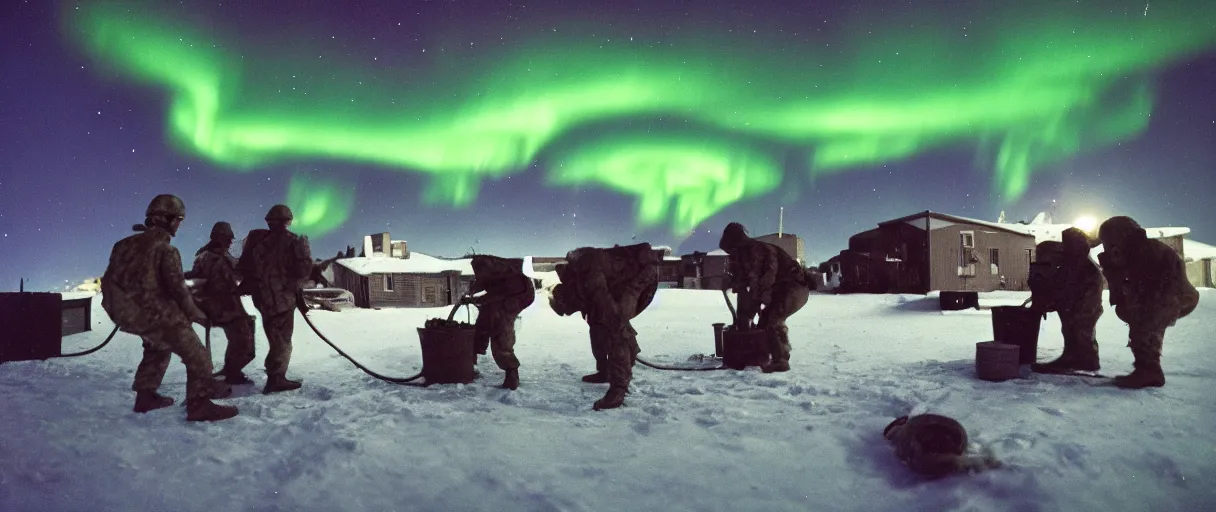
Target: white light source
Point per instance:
(1086, 223)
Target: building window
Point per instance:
(388, 282)
(966, 254)
(428, 295)
(994, 261)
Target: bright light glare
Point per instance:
(1086, 223)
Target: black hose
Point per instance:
(94, 349)
(407, 381)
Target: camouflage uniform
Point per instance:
(1070, 284)
(220, 299)
(274, 263)
(1149, 290)
(763, 274)
(144, 292)
(934, 445)
(508, 292)
(610, 287)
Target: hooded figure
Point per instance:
(769, 282)
(1149, 290)
(508, 292)
(144, 292)
(934, 445)
(609, 287)
(1066, 281)
(219, 298)
(274, 264)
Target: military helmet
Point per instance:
(733, 236)
(166, 205)
(1120, 230)
(222, 229)
(279, 212)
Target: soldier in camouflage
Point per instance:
(1067, 281)
(610, 287)
(274, 264)
(767, 281)
(508, 292)
(1149, 290)
(219, 298)
(144, 292)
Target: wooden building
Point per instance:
(706, 271)
(931, 251)
(418, 280)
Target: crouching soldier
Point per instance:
(219, 298)
(934, 445)
(1066, 281)
(508, 292)
(1149, 290)
(144, 293)
(274, 264)
(609, 287)
(769, 282)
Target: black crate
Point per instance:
(30, 326)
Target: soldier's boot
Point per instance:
(596, 378)
(150, 401)
(279, 382)
(220, 389)
(1063, 363)
(236, 377)
(1085, 358)
(1147, 373)
(615, 397)
(779, 351)
(512, 379)
(203, 409)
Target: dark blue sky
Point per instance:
(82, 151)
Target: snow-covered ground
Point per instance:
(809, 439)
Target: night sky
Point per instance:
(534, 127)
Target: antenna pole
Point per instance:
(781, 222)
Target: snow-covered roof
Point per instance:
(716, 252)
(955, 218)
(1055, 232)
(417, 263)
(1195, 251)
(671, 258)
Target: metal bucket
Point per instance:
(743, 348)
(996, 361)
(1019, 326)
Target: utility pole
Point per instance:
(781, 222)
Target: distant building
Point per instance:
(399, 278)
(930, 251)
(706, 271)
(791, 243)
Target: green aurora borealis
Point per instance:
(687, 127)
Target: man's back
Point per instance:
(135, 289)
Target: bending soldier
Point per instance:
(769, 282)
(1067, 281)
(508, 292)
(1149, 290)
(610, 287)
(144, 292)
(219, 298)
(274, 264)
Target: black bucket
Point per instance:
(743, 348)
(447, 350)
(1019, 326)
(718, 327)
(447, 354)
